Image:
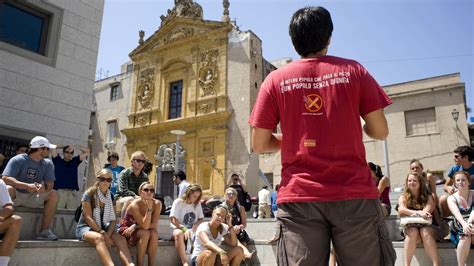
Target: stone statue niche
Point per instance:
(166, 157)
(146, 88)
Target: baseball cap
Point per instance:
(41, 142)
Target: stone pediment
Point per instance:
(176, 30)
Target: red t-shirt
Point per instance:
(318, 103)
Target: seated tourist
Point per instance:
(185, 216)
(239, 220)
(383, 186)
(209, 235)
(461, 205)
(417, 167)
(129, 181)
(30, 179)
(97, 222)
(9, 225)
(416, 201)
(140, 223)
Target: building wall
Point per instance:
(106, 110)
(53, 98)
(244, 78)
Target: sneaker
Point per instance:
(47, 235)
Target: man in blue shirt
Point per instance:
(113, 159)
(463, 157)
(65, 170)
(30, 179)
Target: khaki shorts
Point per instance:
(30, 200)
(355, 227)
(68, 199)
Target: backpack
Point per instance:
(77, 213)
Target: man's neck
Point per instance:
(136, 172)
(466, 165)
(35, 157)
(317, 54)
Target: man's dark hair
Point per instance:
(66, 147)
(114, 155)
(181, 175)
(21, 146)
(465, 151)
(310, 30)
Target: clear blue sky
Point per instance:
(396, 40)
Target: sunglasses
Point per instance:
(230, 193)
(105, 179)
(149, 190)
(139, 161)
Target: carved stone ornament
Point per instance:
(166, 156)
(209, 73)
(183, 8)
(141, 120)
(179, 34)
(207, 107)
(146, 88)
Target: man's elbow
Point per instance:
(382, 134)
(258, 148)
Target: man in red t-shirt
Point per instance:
(326, 192)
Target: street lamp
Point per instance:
(455, 114)
(177, 132)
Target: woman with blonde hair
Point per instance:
(416, 201)
(140, 223)
(209, 235)
(185, 216)
(239, 220)
(461, 205)
(97, 222)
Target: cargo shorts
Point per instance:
(356, 228)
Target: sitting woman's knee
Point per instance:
(99, 239)
(412, 232)
(143, 233)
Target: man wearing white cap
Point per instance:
(30, 179)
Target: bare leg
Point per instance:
(152, 247)
(443, 204)
(143, 236)
(49, 210)
(98, 241)
(122, 248)
(462, 252)
(12, 228)
(236, 255)
(429, 242)
(179, 245)
(412, 236)
(206, 258)
(332, 258)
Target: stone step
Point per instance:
(74, 252)
(64, 225)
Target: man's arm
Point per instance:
(85, 152)
(376, 125)
(54, 152)
(11, 181)
(263, 140)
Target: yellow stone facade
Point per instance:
(192, 51)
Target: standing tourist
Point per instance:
(326, 184)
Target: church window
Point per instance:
(175, 99)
